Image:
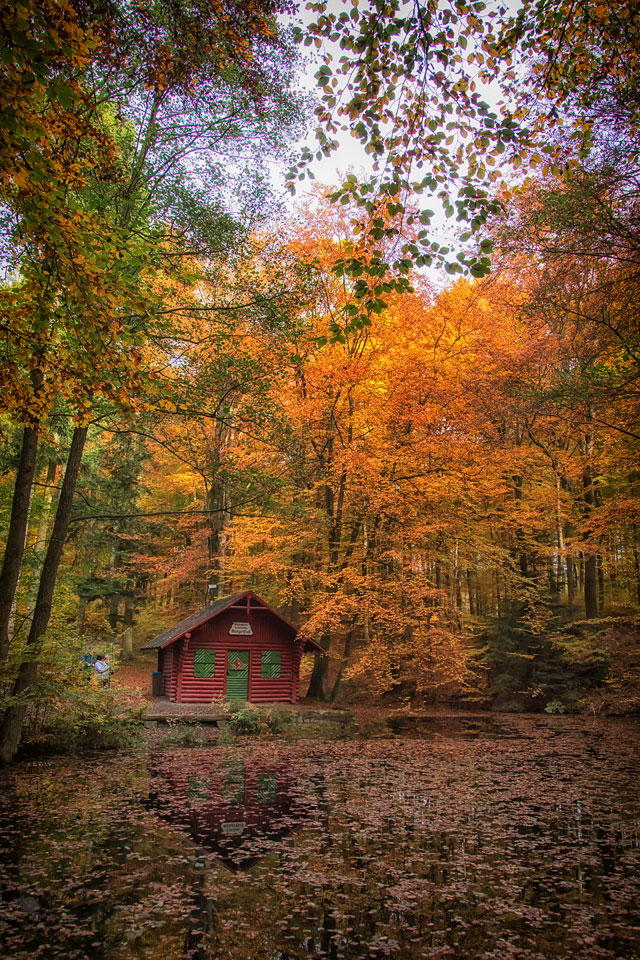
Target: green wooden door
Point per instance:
(233, 782)
(237, 675)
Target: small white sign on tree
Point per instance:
(240, 630)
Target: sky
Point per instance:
(350, 157)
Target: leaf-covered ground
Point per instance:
(519, 843)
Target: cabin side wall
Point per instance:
(167, 666)
(269, 633)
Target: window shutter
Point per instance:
(198, 788)
(270, 665)
(204, 662)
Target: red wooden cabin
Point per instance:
(238, 648)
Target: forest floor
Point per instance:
(132, 680)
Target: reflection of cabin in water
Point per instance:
(238, 648)
(238, 810)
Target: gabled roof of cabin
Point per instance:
(212, 611)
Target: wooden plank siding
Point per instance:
(269, 633)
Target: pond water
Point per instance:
(477, 839)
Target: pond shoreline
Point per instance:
(330, 724)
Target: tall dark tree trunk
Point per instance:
(219, 505)
(559, 573)
(114, 599)
(114, 612)
(319, 683)
(16, 537)
(601, 592)
(597, 499)
(571, 580)
(590, 563)
(570, 568)
(13, 720)
(636, 560)
(127, 624)
(343, 665)
(590, 588)
(42, 533)
(472, 604)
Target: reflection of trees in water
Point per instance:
(203, 921)
(82, 873)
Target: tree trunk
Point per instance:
(571, 580)
(127, 635)
(636, 560)
(114, 597)
(42, 532)
(365, 574)
(471, 602)
(590, 565)
(14, 549)
(600, 569)
(559, 566)
(570, 567)
(319, 683)
(597, 499)
(590, 588)
(114, 613)
(343, 665)
(13, 720)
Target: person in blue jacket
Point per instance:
(86, 662)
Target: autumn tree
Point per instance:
(413, 81)
(85, 298)
(432, 494)
(367, 530)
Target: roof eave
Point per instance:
(310, 644)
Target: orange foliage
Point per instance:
(394, 490)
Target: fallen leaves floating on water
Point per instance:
(523, 846)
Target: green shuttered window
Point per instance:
(270, 668)
(204, 662)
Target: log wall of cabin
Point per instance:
(269, 633)
(168, 666)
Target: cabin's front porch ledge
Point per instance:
(162, 710)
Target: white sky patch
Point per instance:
(351, 157)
